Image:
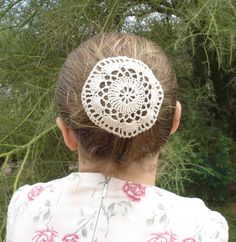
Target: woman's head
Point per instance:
(96, 143)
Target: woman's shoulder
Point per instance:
(192, 214)
(188, 206)
(28, 196)
(32, 204)
(29, 193)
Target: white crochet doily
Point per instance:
(122, 96)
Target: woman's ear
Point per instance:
(176, 119)
(68, 135)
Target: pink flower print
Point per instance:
(70, 238)
(134, 191)
(163, 237)
(45, 235)
(189, 240)
(34, 192)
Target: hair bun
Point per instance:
(122, 96)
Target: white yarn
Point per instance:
(122, 96)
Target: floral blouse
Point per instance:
(89, 207)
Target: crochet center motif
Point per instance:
(122, 96)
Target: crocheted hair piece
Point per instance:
(122, 96)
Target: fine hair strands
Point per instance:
(109, 151)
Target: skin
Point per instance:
(136, 173)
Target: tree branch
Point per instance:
(165, 7)
(9, 7)
(153, 7)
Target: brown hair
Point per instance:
(98, 144)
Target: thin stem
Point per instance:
(26, 117)
(9, 7)
(21, 169)
(25, 146)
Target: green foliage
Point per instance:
(205, 18)
(176, 164)
(211, 146)
(215, 156)
(196, 161)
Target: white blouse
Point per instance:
(89, 207)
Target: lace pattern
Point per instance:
(122, 96)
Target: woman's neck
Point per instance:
(143, 174)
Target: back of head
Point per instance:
(96, 143)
